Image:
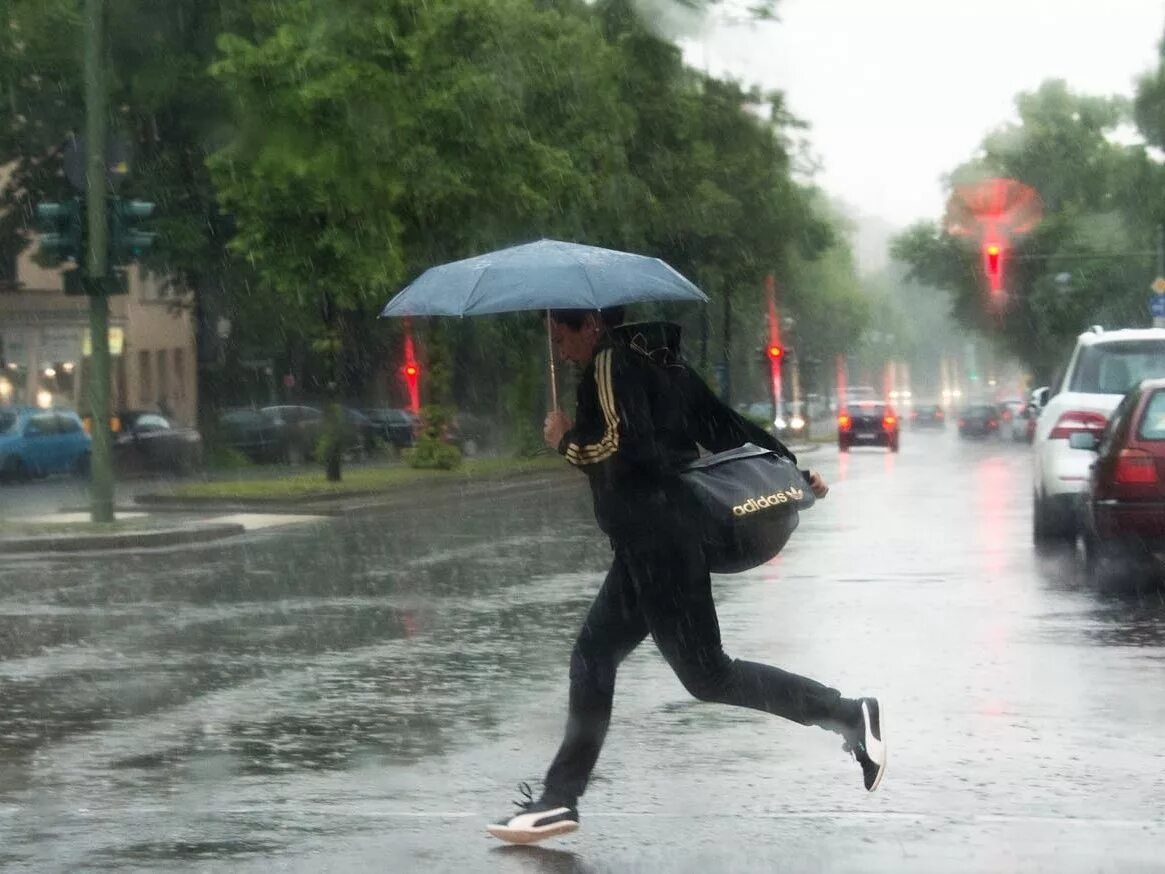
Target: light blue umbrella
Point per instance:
(545, 275)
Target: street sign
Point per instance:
(1158, 285)
(1157, 306)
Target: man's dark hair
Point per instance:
(611, 317)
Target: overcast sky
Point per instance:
(899, 92)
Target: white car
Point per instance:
(1104, 366)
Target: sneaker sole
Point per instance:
(885, 749)
(530, 836)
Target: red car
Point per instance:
(1123, 509)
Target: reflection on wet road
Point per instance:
(364, 694)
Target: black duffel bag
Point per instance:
(750, 498)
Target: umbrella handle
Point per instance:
(553, 371)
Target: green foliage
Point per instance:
(432, 450)
(224, 458)
(309, 157)
(1087, 261)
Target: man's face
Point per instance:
(571, 345)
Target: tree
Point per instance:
(1086, 261)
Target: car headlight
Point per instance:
(779, 423)
(797, 423)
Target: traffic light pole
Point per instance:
(96, 266)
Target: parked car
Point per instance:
(470, 433)
(302, 426)
(361, 434)
(979, 420)
(149, 441)
(1103, 367)
(1122, 511)
(867, 423)
(256, 435)
(928, 416)
(36, 442)
(398, 428)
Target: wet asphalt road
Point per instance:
(363, 694)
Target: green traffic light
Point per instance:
(137, 209)
(51, 213)
(126, 241)
(61, 231)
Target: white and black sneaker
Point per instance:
(538, 820)
(866, 744)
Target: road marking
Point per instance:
(256, 521)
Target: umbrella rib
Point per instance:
(473, 291)
(590, 285)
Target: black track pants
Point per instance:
(665, 589)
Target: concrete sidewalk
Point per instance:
(71, 531)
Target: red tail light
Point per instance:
(843, 422)
(1074, 421)
(1135, 467)
(991, 423)
(889, 422)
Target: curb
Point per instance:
(341, 503)
(200, 533)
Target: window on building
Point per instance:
(180, 374)
(163, 376)
(145, 377)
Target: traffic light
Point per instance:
(412, 374)
(62, 231)
(993, 266)
(127, 242)
(775, 352)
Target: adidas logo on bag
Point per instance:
(763, 502)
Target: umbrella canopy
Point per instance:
(545, 275)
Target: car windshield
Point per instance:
(1113, 368)
(151, 422)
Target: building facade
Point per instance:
(45, 348)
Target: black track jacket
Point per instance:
(641, 413)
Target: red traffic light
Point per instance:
(775, 352)
(993, 266)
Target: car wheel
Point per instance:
(894, 445)
(842, 446)
(13, 470)
(1050, 528)
(1118, 564)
